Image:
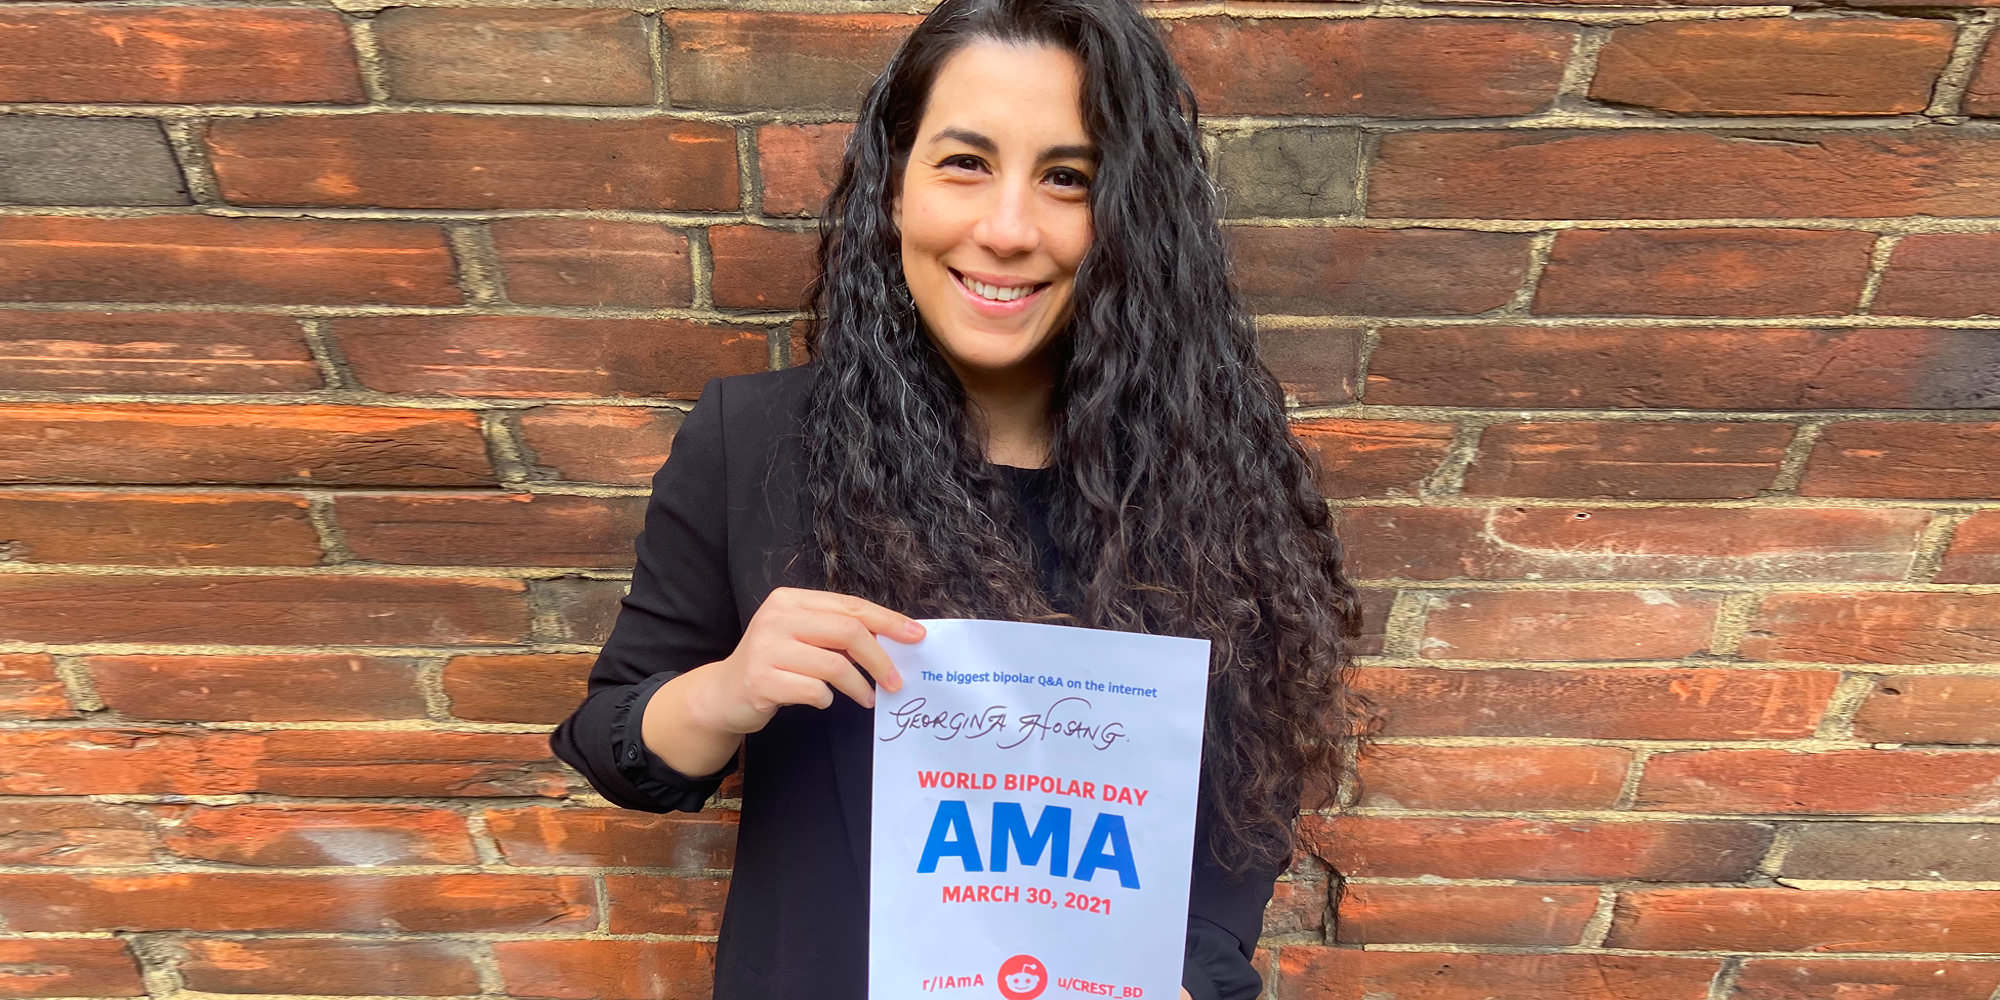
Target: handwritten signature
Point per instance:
(1060, 719)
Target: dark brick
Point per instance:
(1318, 271)
(1914, 851)
(1298, 172)
(1315, 365)
(730, 60)
(515, 56)
(1654, 459)
(571, 609)
(1705, 272)
(535, 356)
(87, 161)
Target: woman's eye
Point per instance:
(963, 158)
(1071, 178)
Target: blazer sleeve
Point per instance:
(679, 614)
(1225, 919)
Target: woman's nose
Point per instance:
(1009, 226)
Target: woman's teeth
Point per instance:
(996, 293)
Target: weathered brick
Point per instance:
(535, 356)
(534, 687)
(1912, 851)
(1515, 915)
(1315, 366)
(1875, 979)
(1931, 708)
(746, 60)
(1633, 543)
(1704, 272)
(1974, 556)
(427, 763)
(1433, 174)
(1351, 974)
(158, 529)
(1570, 625)
(190, 443)
(515, 56)
(1778, 368)
(434, 160)
(605, 970)
(1536, 850)
(1625, 703)
(1875, 627)
(153, 352)
(1398, 272)
(1741, 919)
(1301, 172)
(1375, 457)
(575, 609)
(1948, 275)
(621, 445)
(653, 904)
(618, 838)
(1403, 776)
(1299, 905)
(799, 165)
(1664, 459)
(1416, 68)
(232, 901)
(759, 268)
(591, 262)
(200, 258)
(329, 966)
(510, 529)
(74, 833)
(298, 836)
(86, 161)
(127, 762)
(1775, 65)
(58, 967)
(264, 610)
(1982, 93)
(172, 55)
(1828, 783)
(1934, 460)
(325, 687)
(30, 689)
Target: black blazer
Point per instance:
(720, 529)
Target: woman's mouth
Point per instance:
(995, 300)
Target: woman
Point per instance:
(1033, 395)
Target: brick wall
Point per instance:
(1645, 345)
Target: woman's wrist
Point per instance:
(672, 727)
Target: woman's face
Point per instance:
(994, 207)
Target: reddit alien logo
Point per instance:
(1022, 978)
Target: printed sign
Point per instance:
(1034, 812)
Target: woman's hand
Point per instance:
(799, 648)
(1185, 995)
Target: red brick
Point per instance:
(1774, 66)
(217, 901)
(1832, 782)
(539, 357)
(200, 258)
(1920, 851)
(1403, 776)
(1465, 914)
(1864, 979)
(296, 836)
(1570, 625)
(1774, 368)
(127, 761)
(1875, 627)
(1298, 905)
(1375, 457)
(434, 160)
(73, 833)
(1927, 708)
(56, 967)
(799, 165)
(1974, 556)
(328, 687)
(590, 262)
(1415, 68)
(510, 529)
(195, 443)
(1376, 272)
(29, 687)
(1625, 703)
(1927, 460)
(1536, 850)
(605, 970)
(1663, 459)
(534, 687)
(177, 56)
(340, 967)
(1477, 174)
(159, 529)
(515, 56)
(653, 904)
(1795, 920)
(620, 445)
(754, 60)
(427, 763)
(1982, 94)
(262, 610)
(759, 268)
(1315, 366)
(1632, 543)
(153, 352)
(1351, 974)
(617, 838)
(1704, 272)
(1949, 275)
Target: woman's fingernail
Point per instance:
(913, 630)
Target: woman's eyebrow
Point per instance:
(991, 148)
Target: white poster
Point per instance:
(1034, 809)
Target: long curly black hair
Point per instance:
(1181, 491)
